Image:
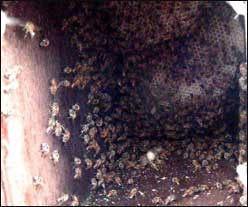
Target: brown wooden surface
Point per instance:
(24, 131)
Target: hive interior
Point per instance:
(152, 76)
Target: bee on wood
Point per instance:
(55, 109)
(45, 149)
(77, 173)
(55, 156)
(133, 193)
(31, 29)
(38, 182)
(53, 86)
(58, 129)
(51, 125)
(75, 200)
(63, 198)
(66, 136)
(77, 161)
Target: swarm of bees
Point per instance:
(135, 104)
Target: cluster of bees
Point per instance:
(243, 130)
(10, 82)
(31, 29)
(243, 114)
(132, 114)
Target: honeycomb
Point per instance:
(214, 50)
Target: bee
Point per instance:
(203, 188)
(89, 163)
(53, 87)
(133, 193)
(94, 145)
(78, 80)
(219, 186)
(196, 165)
(157, 200)
(31, 28)
(118, 180)
(99, 176)
(86, 138)
(230, 200)
(55, 156)
(85, 128)
(170, 199)
(62, 199)
(44, 43)
(175, 180)
(66, 136)
(243, 70)
(99, 122)
(112, 193)
(208, 168)
(45, 149)
(111, 153)
(75, 200)
(72, 114)
(227, 182)
(92, 123)
(92, 132)
(94, 183)
(204, 163)
(51, 125)
(64, 83)
(215, 166)
(58, 129)
(96, 110)
(109, 176)
(89, 117)
(98, 163)
(77, 173)
(227, 155)
(55, 109)
(243, 84)
(77, 161)
(104, 133)
(220, 203)
(12, 74)
(76, 107)
(185, 155)
(38, 182)
(189, 192)
(130, 181)
(68, 70)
